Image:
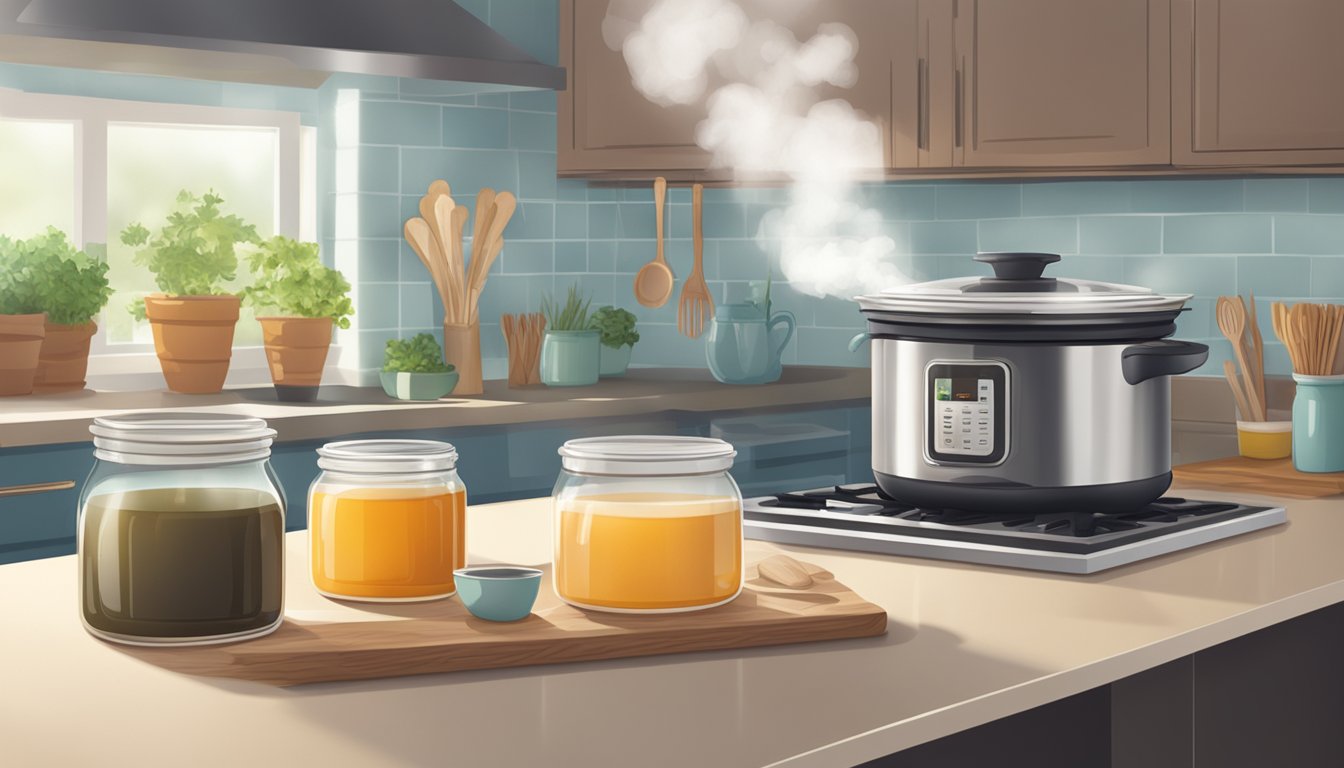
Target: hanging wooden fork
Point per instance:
(696, 304)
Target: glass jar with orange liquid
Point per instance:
(647, 524)
(386, 520)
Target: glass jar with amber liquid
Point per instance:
(181, 530)
(387, 520)
(647, 524)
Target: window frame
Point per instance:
(131, 365)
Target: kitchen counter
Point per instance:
(966, 645)
(65, 418)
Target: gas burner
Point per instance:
(861, 517)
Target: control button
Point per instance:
(983, 441)
(984, 399)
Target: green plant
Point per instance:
(418, 354)
(18, 291)
(292, 281)
(45, 273)
(617, 326)
(194, 253)
(572, 316)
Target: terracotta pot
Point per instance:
(20, 342)
(193, 336)
(296, 350)
(64, 358)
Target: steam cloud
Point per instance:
(758, 82)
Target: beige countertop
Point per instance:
(966, 645)
(65, 418)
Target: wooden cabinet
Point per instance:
(607, 126)
(1061, 83)
(1258, 83)
(983, 88)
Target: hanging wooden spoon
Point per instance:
(653, 282)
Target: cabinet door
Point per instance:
(607, 126)
(1051, 83)
(1258, 83)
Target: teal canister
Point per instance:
(1318, 424)
(744, 347)
(570, 358)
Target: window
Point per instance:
(92, 166)
(37, 187)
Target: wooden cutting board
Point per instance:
(441, 636)
(1273, 477)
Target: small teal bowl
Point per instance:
(498, 592)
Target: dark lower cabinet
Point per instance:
(1271, 699)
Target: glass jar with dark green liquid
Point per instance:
(181, 530)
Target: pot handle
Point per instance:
(787, 319)
(859, 341)
(1167, 357)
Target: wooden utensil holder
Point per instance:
(462, 349)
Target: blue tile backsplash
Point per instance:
(1282, 238)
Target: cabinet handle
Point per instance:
(922, 117)
(20, 490)
(956, 120)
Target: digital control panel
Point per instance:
(966, 412)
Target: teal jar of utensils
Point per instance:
(1318, 423)
(745, 346)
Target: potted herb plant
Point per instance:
(616, 327)
(413, 369)
(22, 322)
(570, 348)
(192, 257)
(307, 298)
(72, 289)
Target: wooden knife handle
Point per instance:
(22, 490)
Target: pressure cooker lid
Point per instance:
(1019, 285)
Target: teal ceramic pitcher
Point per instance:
(743, 347)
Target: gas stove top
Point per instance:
(859, 517)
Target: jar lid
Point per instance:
(387, 457)
(647, 455)
(180, 439)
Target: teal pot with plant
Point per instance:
(571, 349)
(745, 344)
(413, 369)
(570, 358)
(298, 301)
(193, 256)
(618, 336)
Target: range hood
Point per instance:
(279, 42)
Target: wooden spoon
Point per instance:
(483, 256)
(1243, 405)
(421, 239)
(653, 282)
(456, 270)
(1257, 354)
(444, 210)
(1232, 322)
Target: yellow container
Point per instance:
(1265, 439)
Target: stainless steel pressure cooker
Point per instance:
(1024, 393)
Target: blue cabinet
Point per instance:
(778, 450)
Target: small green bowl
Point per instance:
(498, 592)
(417, 386)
